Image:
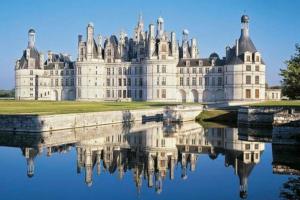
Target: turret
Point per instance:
(160, 27)
(99, 47)
(31, 38)
(151, 41)
(194, 48)
(90, 40)
(245, 26)
(174, 45)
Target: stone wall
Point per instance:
(36, 123)
(253, 116)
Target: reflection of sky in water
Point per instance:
(56, 176)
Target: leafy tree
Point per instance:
(291, 76)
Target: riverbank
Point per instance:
(218, 117)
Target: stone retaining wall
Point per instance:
(268, 116)
(36, 123)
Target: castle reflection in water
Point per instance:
(151, 151)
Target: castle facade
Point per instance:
(151, 66)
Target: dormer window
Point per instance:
(187, 63)
(200, 63)
(257, 59)
(248, 58)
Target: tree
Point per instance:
(291, 76)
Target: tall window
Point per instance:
(206, 81)
(164, 81)
(187, 81)
(157, 68)
(200, 80)
(124, 81)
(163, 93)
(181, 70)
(194, 70)
(129, 81)
(181, 81)
(157, 81)
(248, 93)
(107, 71)
(107, 82)
(257, 93)
(164, 69)
(157, 94)
(108, 93)
(120, 71)
(120, 81)
(194, 81)
(248, 79)
(220, 81)
(256, 79)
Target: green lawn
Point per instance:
(278, 103)
(64, 107)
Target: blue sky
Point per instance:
(274, 26)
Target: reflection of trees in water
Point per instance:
(291, 189)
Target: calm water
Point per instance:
(149, 161)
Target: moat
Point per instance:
(148, 161)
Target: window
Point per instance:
(206, 81)
(129, 81)
(107, 71)
(163, 93)
(129, 70)
(248, 93)
(247, 146)
(157, 94)
(256, 79)
(164, 69)
(107, 82)
(256, 58)
(187, 63)
(200, 80)
(124, 81)
(257, 93)
(213, 81)
(248, 59)
(124, 93)
(129, 93)
(219, 70)
(124, 71)
(141, 94)
(256, 146)
(220, 81)
(141, 81)
(187, 81)
(157, 68)
(181, 70)
(200, 70)
(248, 67)
(31, 72)
(194, 81)
(206, 70)
(120, 71)
(108, 93)
(181, 81)
(257, 68)
(194, 70)
(157, 81)
(56, 82)
(164, 81)
(120, 81)
(248, 79)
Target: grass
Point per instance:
(295, 103)
(222, 117)
(65, 107)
